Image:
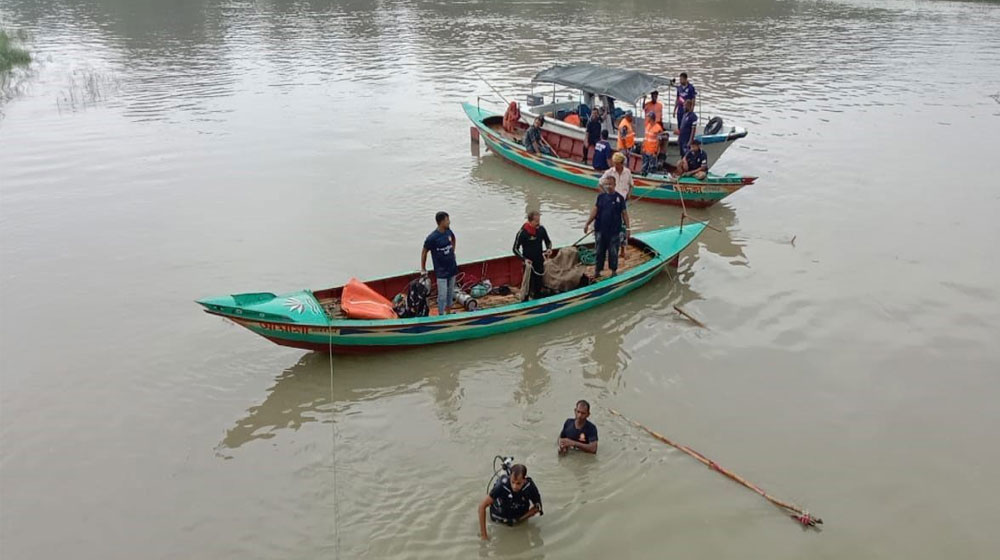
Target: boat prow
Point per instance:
(299, 307)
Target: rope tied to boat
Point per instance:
(800, 515)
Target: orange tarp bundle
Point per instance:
(358, 301)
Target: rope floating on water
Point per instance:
(800, 515)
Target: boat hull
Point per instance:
(367, 336)
(688, 191)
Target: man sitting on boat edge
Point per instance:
(534, 142)
(694, 163)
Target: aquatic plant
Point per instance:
(87, 87)
(11, 54)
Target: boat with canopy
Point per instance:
(686, 191)
(580, 87)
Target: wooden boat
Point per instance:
(312, 319)
(595, 85)
(653, 188)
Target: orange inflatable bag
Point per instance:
(358, 301)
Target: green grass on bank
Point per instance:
(11, 54)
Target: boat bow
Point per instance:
(297, 307)
(671, 241)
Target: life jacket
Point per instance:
(651, 142)
(656, 107)
(572, 119)
(626, 135)
(511, 117)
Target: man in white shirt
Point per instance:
(621, 174)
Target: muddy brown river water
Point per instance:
(158, 152)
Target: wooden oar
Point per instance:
(690, 318)
(794, 511)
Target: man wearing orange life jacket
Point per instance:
(572, 119)
(651, 143)
(653, 105)
(626, 134)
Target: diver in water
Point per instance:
(513, 499)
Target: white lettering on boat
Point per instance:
(284, 327)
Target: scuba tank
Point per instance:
(466, 301)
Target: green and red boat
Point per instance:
(312, 319)
(686, 191)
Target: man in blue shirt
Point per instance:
(602, 152)
(687, 127)
(695, 162)
(685, 91)
(578, 432)
(608, 215)
(441, 245)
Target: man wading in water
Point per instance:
(578, 432)
(512, 500)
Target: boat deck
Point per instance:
(634, 256)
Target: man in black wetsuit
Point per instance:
(513, 499)
(528, 246)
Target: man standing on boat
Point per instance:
(654, 106)
(593, 133)
(528, 247)
(651, 144)
(608, 215)
(602, 153)
(441, 245)
(623, 183)
(533, 141)
(626, 133)
(685, 91)
(687, 127)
